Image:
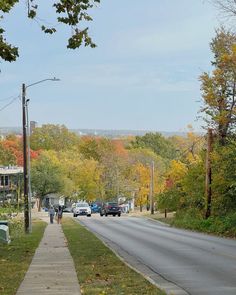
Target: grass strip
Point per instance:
(16, 257)
(222, 226)
(99, 270)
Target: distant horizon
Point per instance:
(5, 128)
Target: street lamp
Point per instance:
(26, 158)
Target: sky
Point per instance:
(143, 75)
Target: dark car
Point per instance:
(110, 208)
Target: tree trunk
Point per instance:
(222, 136)
(39, 203)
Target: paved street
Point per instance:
(199, 264)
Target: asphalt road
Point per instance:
(181, 262)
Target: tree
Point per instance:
(156, 142)
(219, 88)
(184, 189)
(7, 157)
(88, 147)
(188, 147)
(227, 7)
(224, 179)
(68, 12)
(142, 178)
(46, 177)
(89, 180)
(53, 137)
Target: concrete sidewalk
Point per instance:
(52, 270)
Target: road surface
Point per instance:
(181, 262)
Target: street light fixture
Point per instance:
(26, 157)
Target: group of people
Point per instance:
(58, 212)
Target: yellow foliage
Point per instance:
(177, 170)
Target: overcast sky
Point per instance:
(143, 74)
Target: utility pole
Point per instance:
(152, 188)
(208, 191)
(25, 166)
(26, 162)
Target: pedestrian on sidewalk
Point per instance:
(59, 214)
(51, 214)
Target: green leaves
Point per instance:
(156, 142)
(53, 137)
(70, 13)
(48, 30)
(46, 176)
(219, 87)
(7, 51)
(6, 5)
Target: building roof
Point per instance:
(11, 170)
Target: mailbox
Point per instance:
(4, 234)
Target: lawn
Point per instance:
(99, 270)
(15, 258)
(224, 226)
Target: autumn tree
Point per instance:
(224, 176)
(219, 87)
(156, 142)
(142, 178)
(69, 13)
(89, 180)
(89, 148)
(53, 137)
(46, 176)
(7, 157)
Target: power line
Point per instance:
(193, 144)
(8, 98)
(197, 141)
(11, 102)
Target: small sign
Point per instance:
(62, 201)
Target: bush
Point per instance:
(191, 219)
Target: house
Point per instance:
(10, 183)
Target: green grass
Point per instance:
(16, 257)
(99, 270)
(224, 226)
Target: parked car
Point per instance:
(82, 209)
(110, 208)
(95, 207)
(67, 209)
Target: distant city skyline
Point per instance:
(142, 76)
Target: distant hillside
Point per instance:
(10, 130)
(121, 133)
(98, 132)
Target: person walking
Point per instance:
(51, 214)
(59, 214)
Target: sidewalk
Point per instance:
(52, 270)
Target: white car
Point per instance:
(82, 209)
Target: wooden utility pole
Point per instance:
(152, 188)
(208, 182)
(25, 165)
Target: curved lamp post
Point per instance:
(26, 157)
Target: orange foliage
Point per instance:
(119, 147)
(15, 147)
